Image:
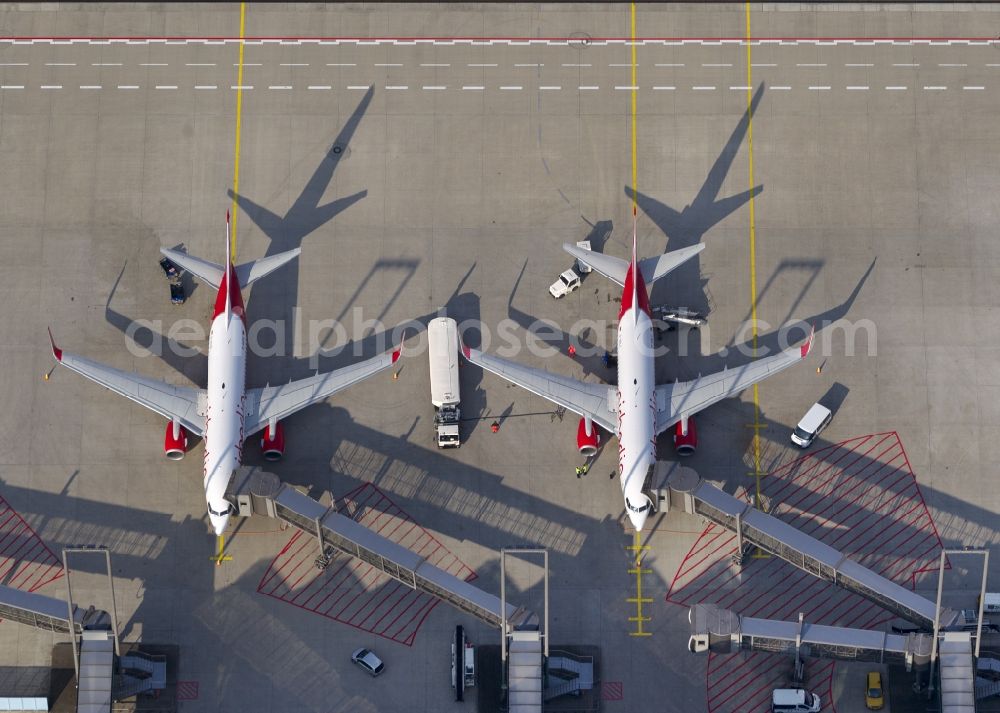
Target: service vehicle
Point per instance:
(442, 351)
(815, 420)
(567, 282)
(874, 698)
(463, 663)
(794, 700)
(368, 662)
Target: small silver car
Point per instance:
(368, 661)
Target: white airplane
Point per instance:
(637, 410)
(225, 413)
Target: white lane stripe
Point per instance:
(664, 88)
(90, 86)
(434, 88)
(238, 86)
(341, 64)
(703, 89)
(430, 64)
(819, 88)
(106, 64)
(895, 88)
(859, 88)
(51, 86)
(279, 86)
(716, 65)
(625, 64)
(578, 65)
(953, 65)
(763, 64)
(473, 88)
(669, 65)
(166, 86)
(60, 64)
(357, 86)
(782, 88)
(993, 65)
(153, 64)
(529, 65)
(935, 88)
(388, 64)
(205, 86)
(860, 64)
(481, 65)
(319, 86)
(587, 88)
(626, 87)
(905, 64)
(807, 64)
(13, 64)
(293, 64)
(740, 89)
(11, 86)
(974, 88)
(549, 88)
(128, 86)
(199, 64)
(248, 64)
(511, 88)
(393, 86)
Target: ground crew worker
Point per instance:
(579, 471)
(495, 426)
(586, 467)
(572, 351)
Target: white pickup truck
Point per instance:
(567, 282)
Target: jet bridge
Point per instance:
(254, 491)
(681, 488)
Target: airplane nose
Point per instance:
(219, 523)
(638, 520)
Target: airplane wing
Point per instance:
(686, 398)
(180, 402)
(653, 268)
(580, 397)
(278, 402)
(207, 271)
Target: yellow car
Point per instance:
(874, 698)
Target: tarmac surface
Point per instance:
(422, 175)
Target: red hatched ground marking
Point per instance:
(26, 562)
(612, 691)
(860, 497)
(187, 690)
(353, 592)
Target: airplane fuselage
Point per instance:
(227, 352)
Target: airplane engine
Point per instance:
(272, 446)
(175, 448)
(587, 443)
(685, 443)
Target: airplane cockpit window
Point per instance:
(633, 508)
(218, 514)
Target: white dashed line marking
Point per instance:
(428, 64)
(529, 65)
(481, 65)
(280, 86)
(993, 65)
(128, 86)
(388, 64)
(905, 64)
(895, 89)
(664, 89)
(51, 86)
(106, 64)
(248, 64)
(341, 64)
(740, 89)
(166, 86)
(13, 64)
(859, 88)
(783, 88)
(473, 88)
(319, 86)
(153, 64)
(60, 64)
(357, 86)
(806, 64)
(578, 65)
(11, 86)
(716, 65)
(293, 64)
(625, 64)
(511, 88)
(819, 89)
(90, 86)
(587, 89)
(236, 86)
(669, 65)
(763, 64)
(953, 65)
(436, 88)
(393, 87)
(935, 89)
(626, 87)
(199, 64)
(549, 88)
(862, 64)
(703, 89)
(205, 86)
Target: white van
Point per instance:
(794, 700)
(991, 605)
(815, 420)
